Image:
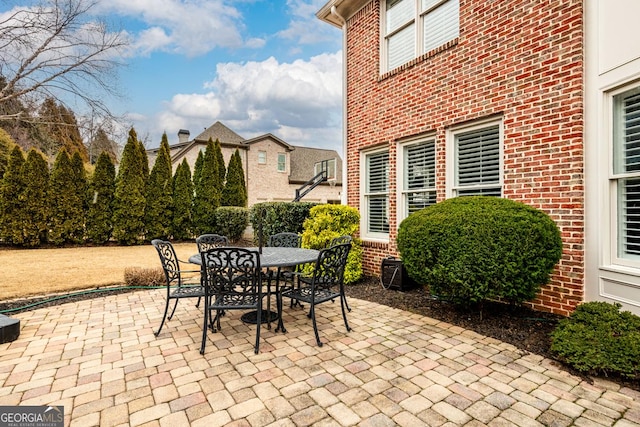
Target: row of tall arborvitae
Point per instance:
(63, 205)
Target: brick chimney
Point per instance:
(183, 136)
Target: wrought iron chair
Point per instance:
(208, 241)
(345, 238)
(288, 240)
(327, 284)
(180, 283)
(232, 281)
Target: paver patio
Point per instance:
(100, 360)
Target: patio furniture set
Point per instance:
(240, 278)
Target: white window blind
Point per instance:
(441, 24)
(627, 172)
(415, 27)
(419, 176)
(478, 162)
(377, 192)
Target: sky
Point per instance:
(257, 66)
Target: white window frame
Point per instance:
(616, 175)
(282, 162)
(412, 28)
(453, 188)
(366, 195)
(262, 157)
(403, 170)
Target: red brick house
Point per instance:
(455, 97)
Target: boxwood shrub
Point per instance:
(597, 338)
(329, 221)
(473, 248)
(278, 217)
(232, 221)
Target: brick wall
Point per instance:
(518, 59)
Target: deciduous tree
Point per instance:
(58, 49)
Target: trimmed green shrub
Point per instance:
(474, 248)
(599, 339)
(101, 193)
(232, 221)
(326, 222)
(278, 217)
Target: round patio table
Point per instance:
(273, 257)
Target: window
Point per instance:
(418, 180)
(478, 163)
(376, 194)
(330, 165)
(262, 157)
(282, 162)
(626, 172)
(415, 27)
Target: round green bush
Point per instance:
(599, 338)
(474, 248)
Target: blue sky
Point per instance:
(258, 66)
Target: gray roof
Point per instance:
(221, 133)
(303, 160)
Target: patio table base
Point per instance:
(252, 317)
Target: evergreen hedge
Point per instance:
(12, 189)
(159, 195)
(182, 219)
(278, 217)
(598, 338)
(232, 221)
(34, 214)
(474, 248)
(101, 193)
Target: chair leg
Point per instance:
(198, 303)
(344, 297)
(174, 309)
(312, 313)
(164, 316)
(259, 319)
(343, 303)
(205, 325)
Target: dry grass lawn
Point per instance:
(31, 272)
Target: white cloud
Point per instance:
(191, 28)
(300, 102)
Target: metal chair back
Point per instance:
(208, 241)
(285, 239)
(232, 280)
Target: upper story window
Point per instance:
(375, 203)
(477, 157)
(282, 162)
(418, 176)
(330, 166)
(262, 157)
(415, 27)
(625, 179)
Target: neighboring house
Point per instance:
(273, 169)
(447, 98)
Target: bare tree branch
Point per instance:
(57, 50)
